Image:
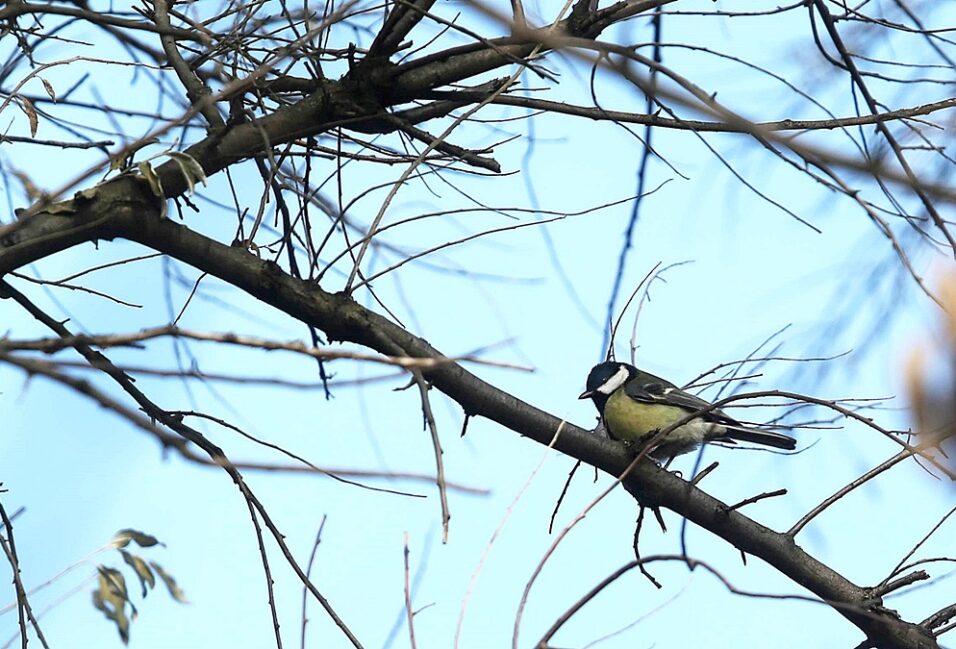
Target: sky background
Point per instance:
(82, 474)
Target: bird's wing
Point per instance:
(653, 389)
(661, 391)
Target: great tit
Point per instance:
(636, 405)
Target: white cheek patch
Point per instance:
(614, 382)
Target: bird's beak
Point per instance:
(586, 394)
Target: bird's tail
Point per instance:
(755, 436)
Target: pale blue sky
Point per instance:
(82, 473)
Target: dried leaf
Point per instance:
(27, 107)
(192, 170)
(141, 568)
(122, 538)
(110, 597)
(115, 581)
(48, 88)
(174, 589)
(125, 157)
(155, 184)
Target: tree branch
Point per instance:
(343, 319)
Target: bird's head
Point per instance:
(604, 379)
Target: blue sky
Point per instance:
(82, 473)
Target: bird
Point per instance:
(635, 405)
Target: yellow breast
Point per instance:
(630, 420)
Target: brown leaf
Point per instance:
(171, 584)
(48, 88)
(142, 570)
(122, 538)
(31, 114)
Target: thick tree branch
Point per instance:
(136, 219)
(196, 91)
(403, 17)
(125, 208)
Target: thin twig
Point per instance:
(436, 446)
(409, 614)
(25, 611)
(753, 499)
(51, 345)
(308, 572)
(919, 544)
(842, 491)
(473, 580)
